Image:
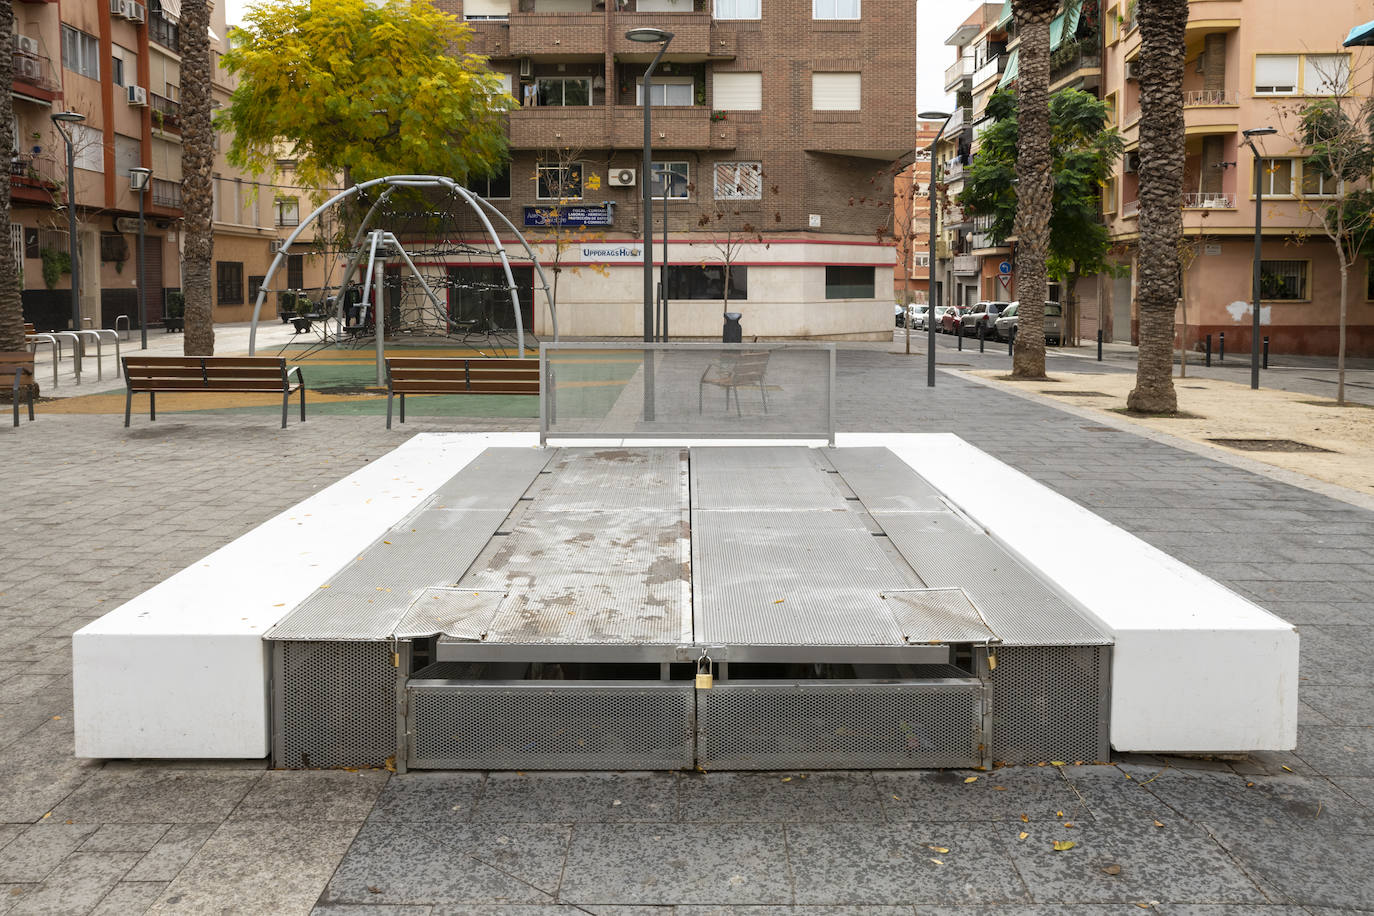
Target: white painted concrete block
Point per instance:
(1196, 667)
(181, 670)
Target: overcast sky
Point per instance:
(936, 19)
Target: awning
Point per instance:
(1065, 24)
(1006, 14)
(1013, 64)
(1057, 31)
(1359, 36)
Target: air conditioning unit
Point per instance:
(138, 96)
(136, 13)
(622, 178)
(526, 68)
(25, 45)
(1132, 70)
(278, 245)
(1131, 162)
(27, 68)
(119, 8)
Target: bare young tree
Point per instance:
(735, 186)
(1338, 130)
(561, 179)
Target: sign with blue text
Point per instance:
(597, 215)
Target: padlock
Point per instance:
(704, 678)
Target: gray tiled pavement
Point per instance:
(96, 514)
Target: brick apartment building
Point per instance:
(911, 200)
(116, 62)
(786, 115)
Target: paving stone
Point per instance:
(716, 798)
(166, 859)
(125, 838)
(349, 909)
(1337, 751)
(555, 909)
(428, 798)
(690, 910)
(292, 795)
(32, 855)
(451, 863)
(77, 885)
(129, 898)
(515, 798)
(1118, 794)
(1004, 794)
(263, 868)
(1178, 863)
(156, 796)
(886, 864)
(676, 863)
(1342, 705)
(1305, 866)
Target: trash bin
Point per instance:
(733, 333)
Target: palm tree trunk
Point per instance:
(11, 297)
(1162, 25)
(197, 163)
(1034, 184)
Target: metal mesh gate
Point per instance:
(1051, 703)
(820, 724)
(545, 726)
(334, 704)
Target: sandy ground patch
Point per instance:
(1225, 410)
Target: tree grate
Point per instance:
(1268, 445)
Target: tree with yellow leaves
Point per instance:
(361, 90)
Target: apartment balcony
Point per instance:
(26, 184)
(941, 250)
(166, 193)
(966, 264)
(35, 77)
(958, 120)
(691, 35)
(1209, 200)
(166, 113)
(1076, 63)
(955, 218)
(673, 128)
(982, 241)
(1210, 98)
(580, 127)
(163, 30)
(1130, 208)
(993, 67)
(953, 170)
(554, 35)
(960, 70)
(490, 37)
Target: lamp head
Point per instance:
(70, 116)
(139, 178)
(1258, 132)
(649, 35)
(933, 115)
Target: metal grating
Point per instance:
(1051, 703)
(614, 479)
(884, 482)
(335, 704)
(547, 725)
(456, 613)
(939, 615)
(828, 725)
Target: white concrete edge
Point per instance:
(1196, 667)
(1213, 452)
(562, 442)
(181, 670)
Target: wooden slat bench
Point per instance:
(184, 374)
(436, 375)
(20, 365)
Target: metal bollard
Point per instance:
(1266, 352)
(1208, 351)
(1011, 340)
(959, 333)
(980, 338)
(1221, 358)
(1099, 345)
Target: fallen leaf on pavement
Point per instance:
(1064, 845)
(1112, 869)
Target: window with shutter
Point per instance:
(737, 91)
(1276, 74)
(835, 92)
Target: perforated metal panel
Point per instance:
(1051, 703)
(550, 726)
(335, 704)
(781, 725)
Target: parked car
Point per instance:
(1054, 322)
(983, 315)
(951, 317)
(918, 316)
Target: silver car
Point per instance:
(1054, 322)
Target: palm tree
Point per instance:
(1034, 184)
(1162, 24)
(11, 299)
(197, 162)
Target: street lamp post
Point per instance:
(943, 117)
(138, 182)
(59, 119)
(1255, 276)
(661, 38)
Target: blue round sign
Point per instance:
(1004, 268)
